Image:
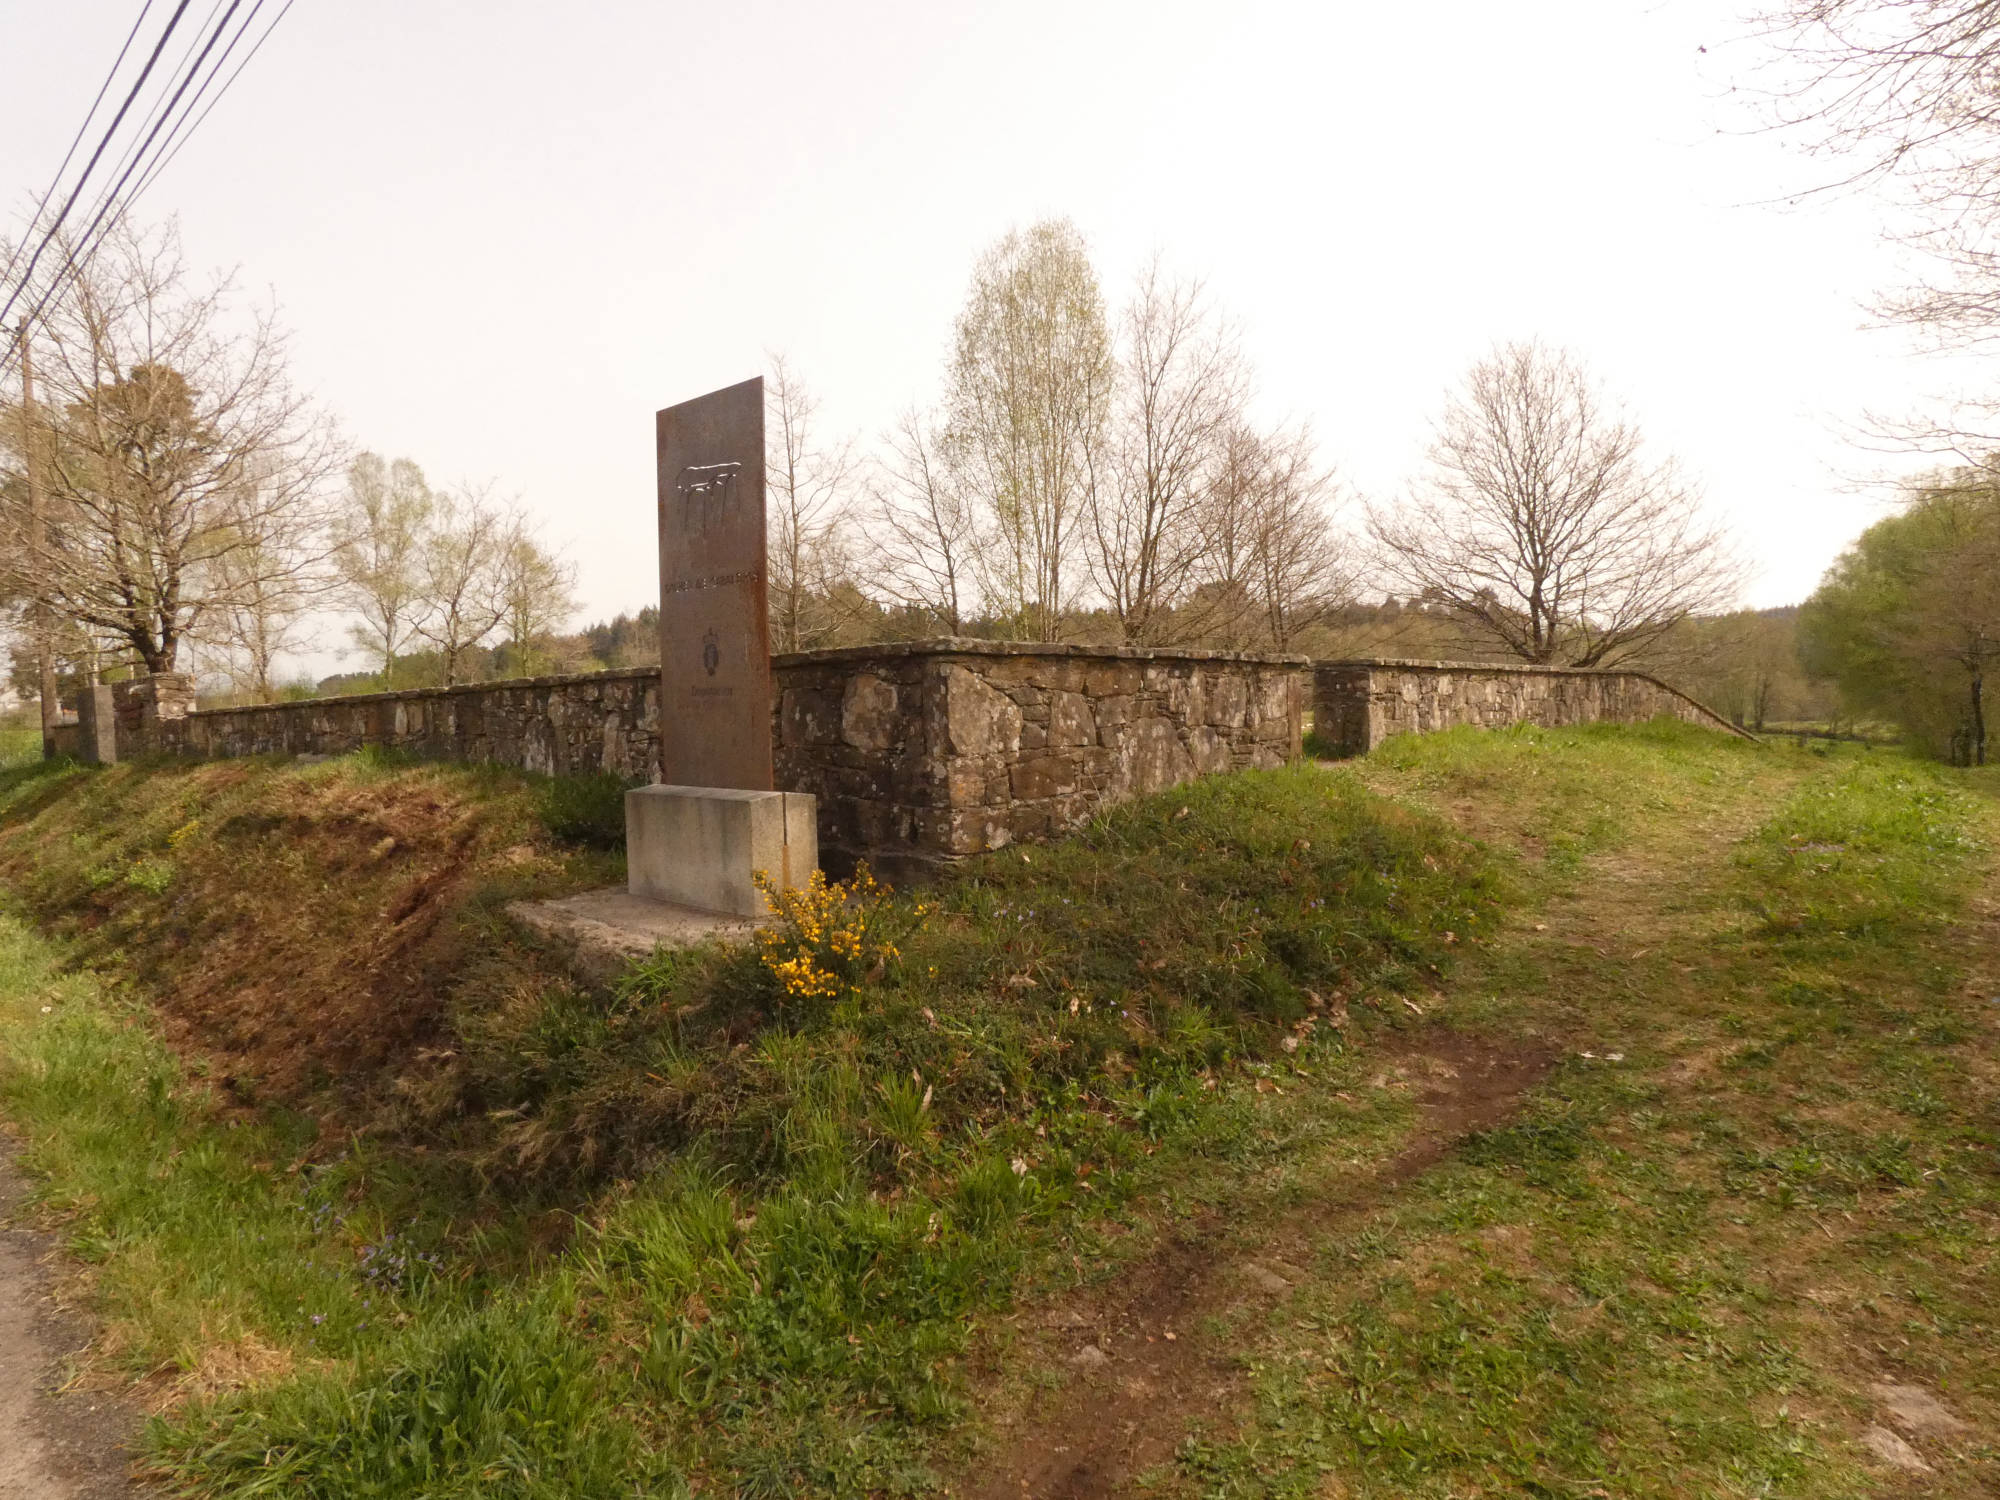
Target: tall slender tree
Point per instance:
(379, 535)
(1181, 387)
(923, 534)
(1029, 388)
(808, 481)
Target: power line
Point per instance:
(110, 130)
(83, 245)
(161, 104)
(111, 206)
(77, 140)
(173, 146)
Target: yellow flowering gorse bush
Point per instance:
(831, 935)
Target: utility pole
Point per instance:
(45, 665)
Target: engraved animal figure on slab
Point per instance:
(706, 491)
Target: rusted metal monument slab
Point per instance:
(715, 642)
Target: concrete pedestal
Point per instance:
(699, 846)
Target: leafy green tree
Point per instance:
(1908, 620)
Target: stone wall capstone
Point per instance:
(1359, 704)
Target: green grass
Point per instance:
(1675, 1274)
(787, 1222)
(19, 746)
(683, 1233)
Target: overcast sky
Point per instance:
(505, 233)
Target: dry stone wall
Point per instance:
(948, 748)
(559, 726)
(935, 750)
(1359, 704)
(917, 753)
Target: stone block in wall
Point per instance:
(868, 717)
(966, 781)
(1108, 679)
(1070, 720)
(1112, 715)
(1225, 701)
(149, 710)
(979, 718)
(1043, 777)
(1151, 758)
(1209, 750)
(1276, 698)
(808, 716)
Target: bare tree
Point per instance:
(1181, 387)
(1902, 93)
(273, 584)
(174, 445)
(1271, 563)
(1029, 384)
(1301, 570)
(807, 481)
(378, 553)
(1221, 609)
(923, 535)
(1542, 526)
(461, 572)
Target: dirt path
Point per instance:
(1143, 1359)
(68, 1446)
(1144, 1363)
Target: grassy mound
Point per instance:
(304, 928)
(792, 1209)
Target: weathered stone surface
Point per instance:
(1226, 701)
(1070, 720)
(1151, 758)
(1208, 748)
(608, 929)
(979, 718)
(868, 713)
(914, 752)
(1042, 778)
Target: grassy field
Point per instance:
(1591, 1112)
(19, 746)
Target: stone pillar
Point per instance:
(97, 726)
(1343, 707)
(148, 708)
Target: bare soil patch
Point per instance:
(333, 964)
(1141, 1366)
